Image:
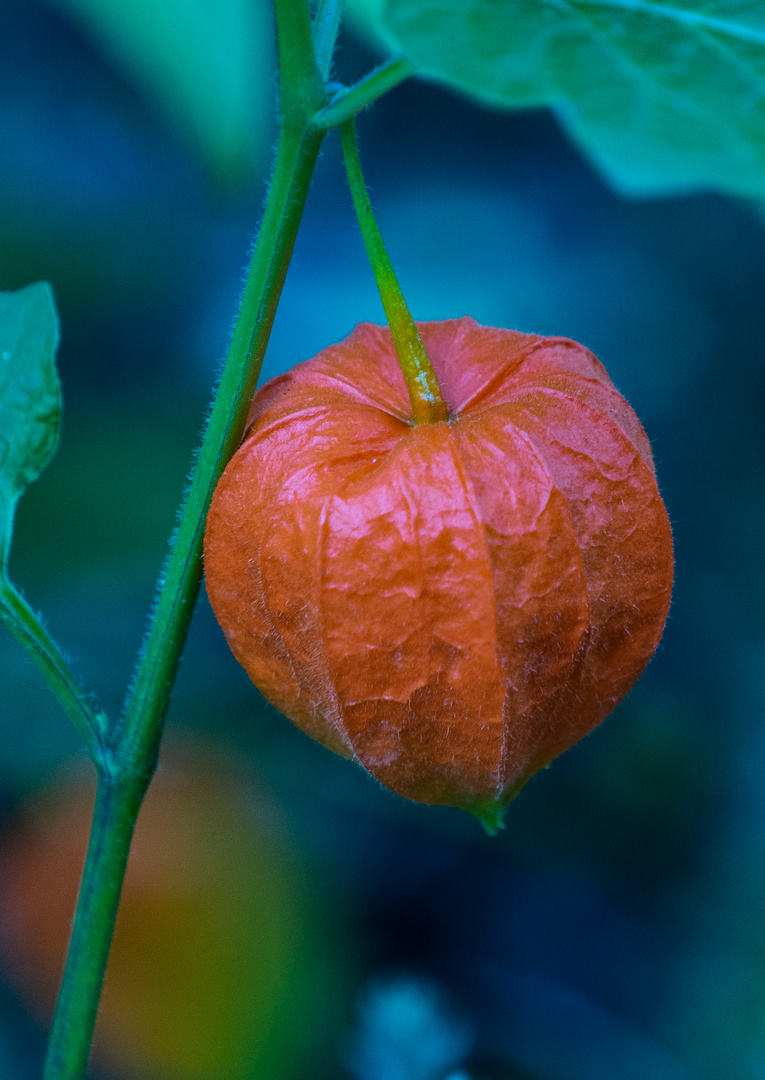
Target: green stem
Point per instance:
(114, 819)
(142, 723)
(139, 734)
(20, 619)
(326, 24)
(125, 772)
(352, 99)
(137, 737)
(301, 87)
(7, 515)
(428, 405)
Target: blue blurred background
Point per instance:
(615, 930)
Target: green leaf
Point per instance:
(30, 395)
(665, 97)
(207, 64)
(366, 19)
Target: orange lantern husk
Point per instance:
(454, 604)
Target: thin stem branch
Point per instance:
(326, 25)
(18, 617)
(352, 99)
(26, 626)
(7, 516)
(428, 405)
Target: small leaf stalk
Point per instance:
(428, 404)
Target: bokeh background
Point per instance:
(289, 918)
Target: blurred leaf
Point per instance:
(365, 16)
(30, 396)
(207, 64)
(664, 97)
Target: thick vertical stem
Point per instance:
(135, 742)
(127, 763)
(142, 723)
(301, 87)
(114, 817)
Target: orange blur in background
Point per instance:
(220, 965)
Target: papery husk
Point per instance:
(451, 605)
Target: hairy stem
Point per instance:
(428, 405)
(301, 86)
(114, 819)
(136, 739)
(126, 765)
(18, 617)
(352, 99)
(157, 669)
(326, 24)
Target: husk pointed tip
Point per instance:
(490, 815)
